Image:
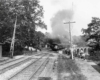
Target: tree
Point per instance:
(79, 41)
(39, 41)
(29, 15)
(92, 34)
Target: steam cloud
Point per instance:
(59, 29)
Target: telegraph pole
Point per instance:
(13, 40)
(70, 37)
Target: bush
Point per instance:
(18, 52)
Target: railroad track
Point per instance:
(3, 70)
(9, 65)
(36, 74)
(29, 71)
(12, 60)
(47, 72)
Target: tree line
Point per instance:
(29, 14)
(92, 35)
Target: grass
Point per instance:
(68, 69)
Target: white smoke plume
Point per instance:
(59, 29)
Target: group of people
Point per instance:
(82, 54)
(77, 53)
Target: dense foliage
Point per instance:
(92, 34)
(29, 14)
(79, 41)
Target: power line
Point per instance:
(70, 35)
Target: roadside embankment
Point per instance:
(68, 69)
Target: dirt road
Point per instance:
(87, 69)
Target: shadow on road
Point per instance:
(96, 67)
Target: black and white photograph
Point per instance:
(49, 39)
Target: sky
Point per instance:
(83, 11)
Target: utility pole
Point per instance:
(70, 37)
(13, 40)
